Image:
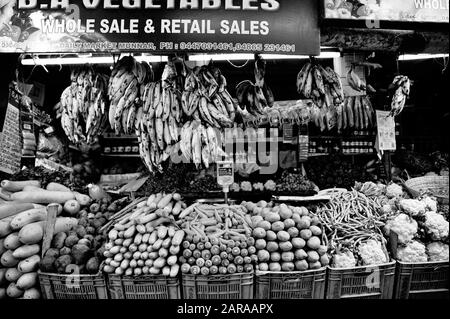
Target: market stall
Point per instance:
(266, 150)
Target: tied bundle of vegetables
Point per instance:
(287, 238)
(217, 240)
(145, 239)
(353, 223)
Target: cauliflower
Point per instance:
(412, 207)
(372, 253)
(258, 186)
(344, 260)
(270, 185)
(404, 226)
(235, 187)
(437, 251)
(436, 226)
(246, 186)
(394, 190)
(386, 209)
(413, 252)
(430, 204)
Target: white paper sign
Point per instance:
(386, 131)
(10, 142)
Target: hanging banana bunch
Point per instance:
(159, 119)
(355, 113)
(206, 98)
(255, 98)
(84, 105)
(402, 87)
(322, 85)
(127, 80)
(201, 143)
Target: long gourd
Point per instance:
(43, 197)
(33, 233)
(30, 216)
(11, 209)
(17, 186)
(5, 227)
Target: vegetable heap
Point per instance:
(287, 238)
(145, 239)
(217, 240)
(353, 225)
(22, 221)
(81, 248)
(422, 231)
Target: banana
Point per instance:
(301, 77)
(307, 89)
(159, 129)
(318, 80)
(167, 103)
(173, 128)
(350, 115)
(197, 147)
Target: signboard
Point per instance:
(436, 11)
(386, 132)
(157, 26)
(10, 142)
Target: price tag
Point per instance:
(225, 174)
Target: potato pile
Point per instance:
(145, 239)
(287, 238)
(80, 250)
(218, 240)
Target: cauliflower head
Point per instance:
(246, 186)
(270, 185)
(258, 186)
(430, 204)
(412, 207)
(437, 251)
(413, 252)
(436, 226)
(235, 187)
(344, 260)
(404, 226)
(371, 253)
(394, 190)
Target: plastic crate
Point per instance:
(234, 286)
(291, 285)
(143, 287)
(58, 286)
(422, 280)
(372, 282)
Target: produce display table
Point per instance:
(291, 285)
(143, 287)
(367, 282)
(234, 286)
(422, 280)
(56, 286)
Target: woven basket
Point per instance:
(435, 185)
